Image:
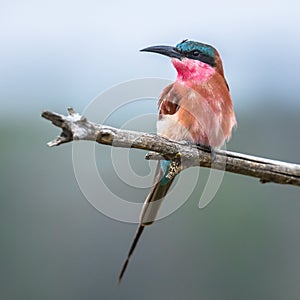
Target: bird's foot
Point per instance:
(209, 149)
(213, 154)
(201, 147)
(186, 143)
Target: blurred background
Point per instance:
(54, 244)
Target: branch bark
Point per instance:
(76, 127)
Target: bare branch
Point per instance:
(76, 127)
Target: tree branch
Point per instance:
(76, 127)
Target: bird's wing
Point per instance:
(199, 113)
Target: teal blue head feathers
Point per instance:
(188, 49)
(198, 51)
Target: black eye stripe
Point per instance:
(198, 55)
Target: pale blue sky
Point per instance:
(59, 53)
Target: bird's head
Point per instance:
(189, 57)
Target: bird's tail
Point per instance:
(151, 206)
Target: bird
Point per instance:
(195, 109)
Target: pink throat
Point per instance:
(190, 69)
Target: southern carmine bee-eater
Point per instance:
(196, 109)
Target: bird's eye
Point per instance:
(196, 53)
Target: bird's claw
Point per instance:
(209, 149)
(186, 143)
(213, 155)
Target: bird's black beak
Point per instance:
(164, 50)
